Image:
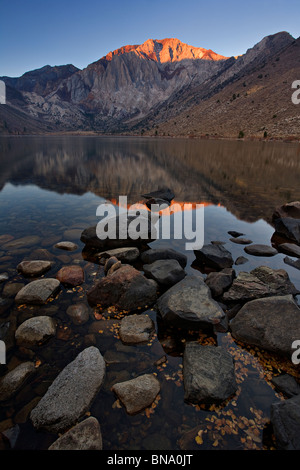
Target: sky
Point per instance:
(34, 33)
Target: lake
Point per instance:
(50, 188)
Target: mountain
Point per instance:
(142, 88)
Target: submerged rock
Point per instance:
(34, 268)
(136, 329)
(66, 245)
(79, 313)
(86, 435)
(154, 254)
(241, 260)
(208, 374)
(188, 303)
(13, 380)
(35, 331)
(71, 394)
(126, 288)
(272, 323)
(24, 242)
(38, 292)
(71, 275)
(215, 256)
(137, 394)
(166, 272)
(260, 250)
(285, 419)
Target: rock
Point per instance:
(126, 254)
(260, 250)
(137, 394)
(35, 331)
(154, 254)
(4, 277)
(136, 329)
(291, 209)
(260, 282)
(241, 260)
(235, 234)
(86, 435)
(34, 268)
(208, 374)
(11, 289)
(71, 275)
(13, 380)
(290, 249)
(166, 272)
(289, 228)
(272, 323)
(286, 384)
(126, 288)
(110, 262)
(71, 394)
(164, 193)
(219, 281)
(285, 419)
(66, 245)
(241, 241)
(188, 303)
(157, 204)
(291, 262)
(215, 256)
(24, 242)
(147, 233)
(39, 254)
(22, 415)
(79, 313)
(38, 292)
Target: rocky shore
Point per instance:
(129, 282)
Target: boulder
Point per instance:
(136, 329)
(38, 292)
(34, 268)
(289, 228)
(137, 394)
(188, 303)
(290, 249)
(291, 209)
(215, 256)
(285, 419)
(271, 323)
(208, 374)
(166, 272)
(154, 254)
(286, 384)
(79, 313)
(71, 394)
(13, 380)
(260, 250)
(220, 281)
(85, 435)
(127, 254)
(35, 331)
(126, 288)
(71, 275)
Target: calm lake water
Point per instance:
(50, 187)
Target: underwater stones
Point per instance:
(34, 268)
(37, 292)
(35, 331)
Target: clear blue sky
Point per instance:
(34, 33)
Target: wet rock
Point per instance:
(241, 260)
(34, 268)
(86, 435)
(5, 238)
(260, 250)
(219, 281)
(35, 331)
(290, 249)
(291, 262)
(136, 329)
(189, 303)
(235, 234)
(164, 193)
(215, 256)
(24, 242)
(11, 289)
(13, 380)
(126, 288)
(110, 262)
(126, 254)
(4, 277)
(260, 282)
(272, 323)
(66, 245)
(166, 272)
(208, 374)
(286, 384)
(38, 292)
(71, 275)
(71, 394)
(291, 209)
(79, 313)
(285, 419)
(289, 228)
(137, 394)
(241, 241)
(154, 254)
